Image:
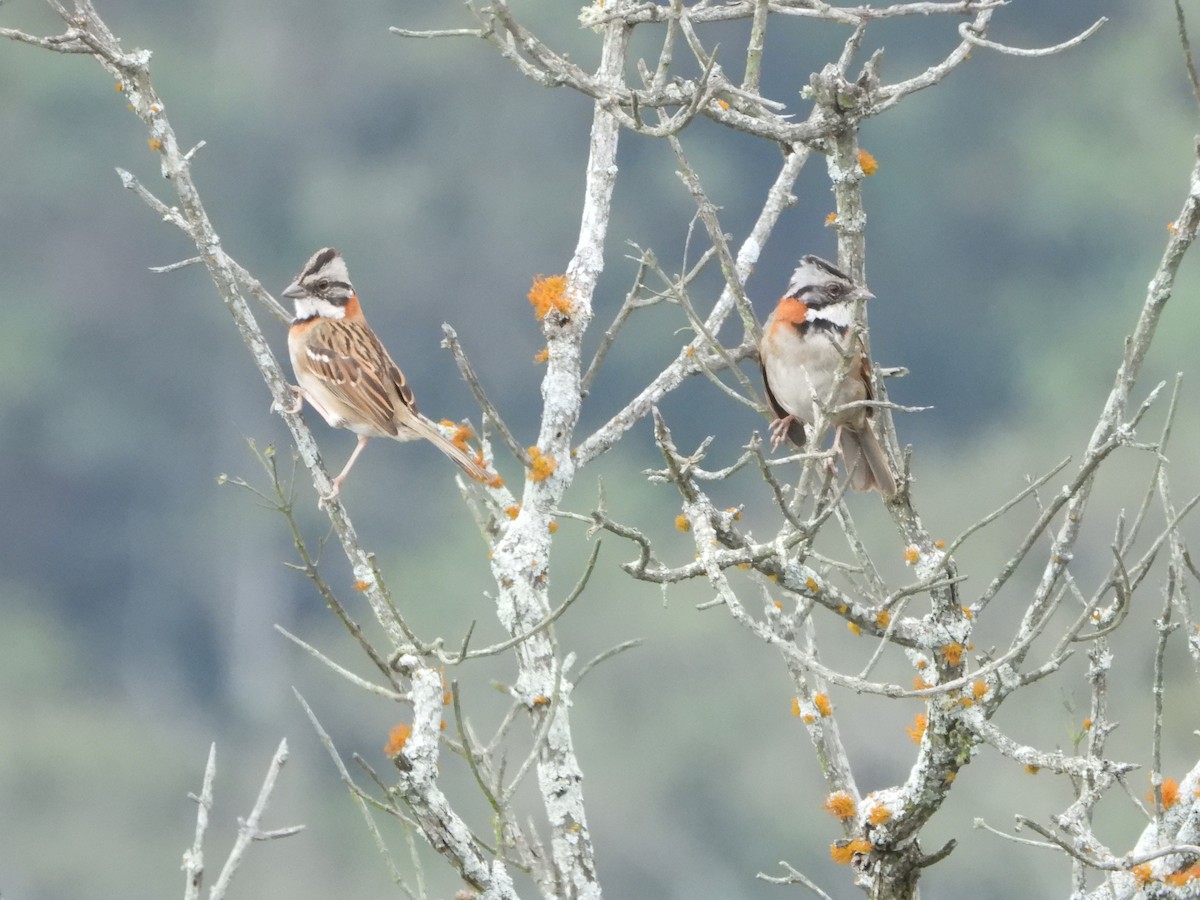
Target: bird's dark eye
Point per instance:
(834, 289)
(323, 284)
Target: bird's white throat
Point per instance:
(840, 315)
(307, 307)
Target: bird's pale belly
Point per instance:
(802, 373)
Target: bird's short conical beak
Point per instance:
(293, 291)
(863, 294)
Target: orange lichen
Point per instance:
(552, 527)
(724, 104)
(843, 852)
(867, 162)
(879, 814)
(777, 605)
(735, 513)
(682, 523)
(854, 627)
(979, 688)
(919, 683)
(1087, 724)
(916, 730)
(941, 545)
(840, 805)
(882, 618)
(922, 663)
(1183, 876)
(796, 706)
(1142, 873)
(542, 700)
(824, 707)
(396, 739)
(1170, 793)
(1172, 227)
(952, 653)
(541, 466)
(462, 434)
(911, 555)
(967, 614)
(542, 355)
(811, 585)
(831, 218)
(513, 511)
(950, 776)
(362, 585)
(549, 292)
(120, 85)
(155, 144)
(1031, 769)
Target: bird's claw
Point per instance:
(779, 431)
(333, 492)
(294, 407)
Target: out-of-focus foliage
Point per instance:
(1015, 218)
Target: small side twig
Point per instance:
(450, 342)
(249, 830)
(1187, 51)
(969, 35)
(193, 859)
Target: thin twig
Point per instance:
(193, 860)
(971, 37)
(438, 33)
(606, 655)
(249, 830)
(450, 342)
(793, 876)
(576, 592)
(182, 264)
(355, 680)
(361, 798)
(1187, 51)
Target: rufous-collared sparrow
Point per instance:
(807, 342)
(344, 371)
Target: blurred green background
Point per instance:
(1018, 212)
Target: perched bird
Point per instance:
(345, 373)
(807, 341)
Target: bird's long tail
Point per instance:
(866, 462)
(470, 466)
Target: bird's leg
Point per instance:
(779, 431)
(341, 477)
